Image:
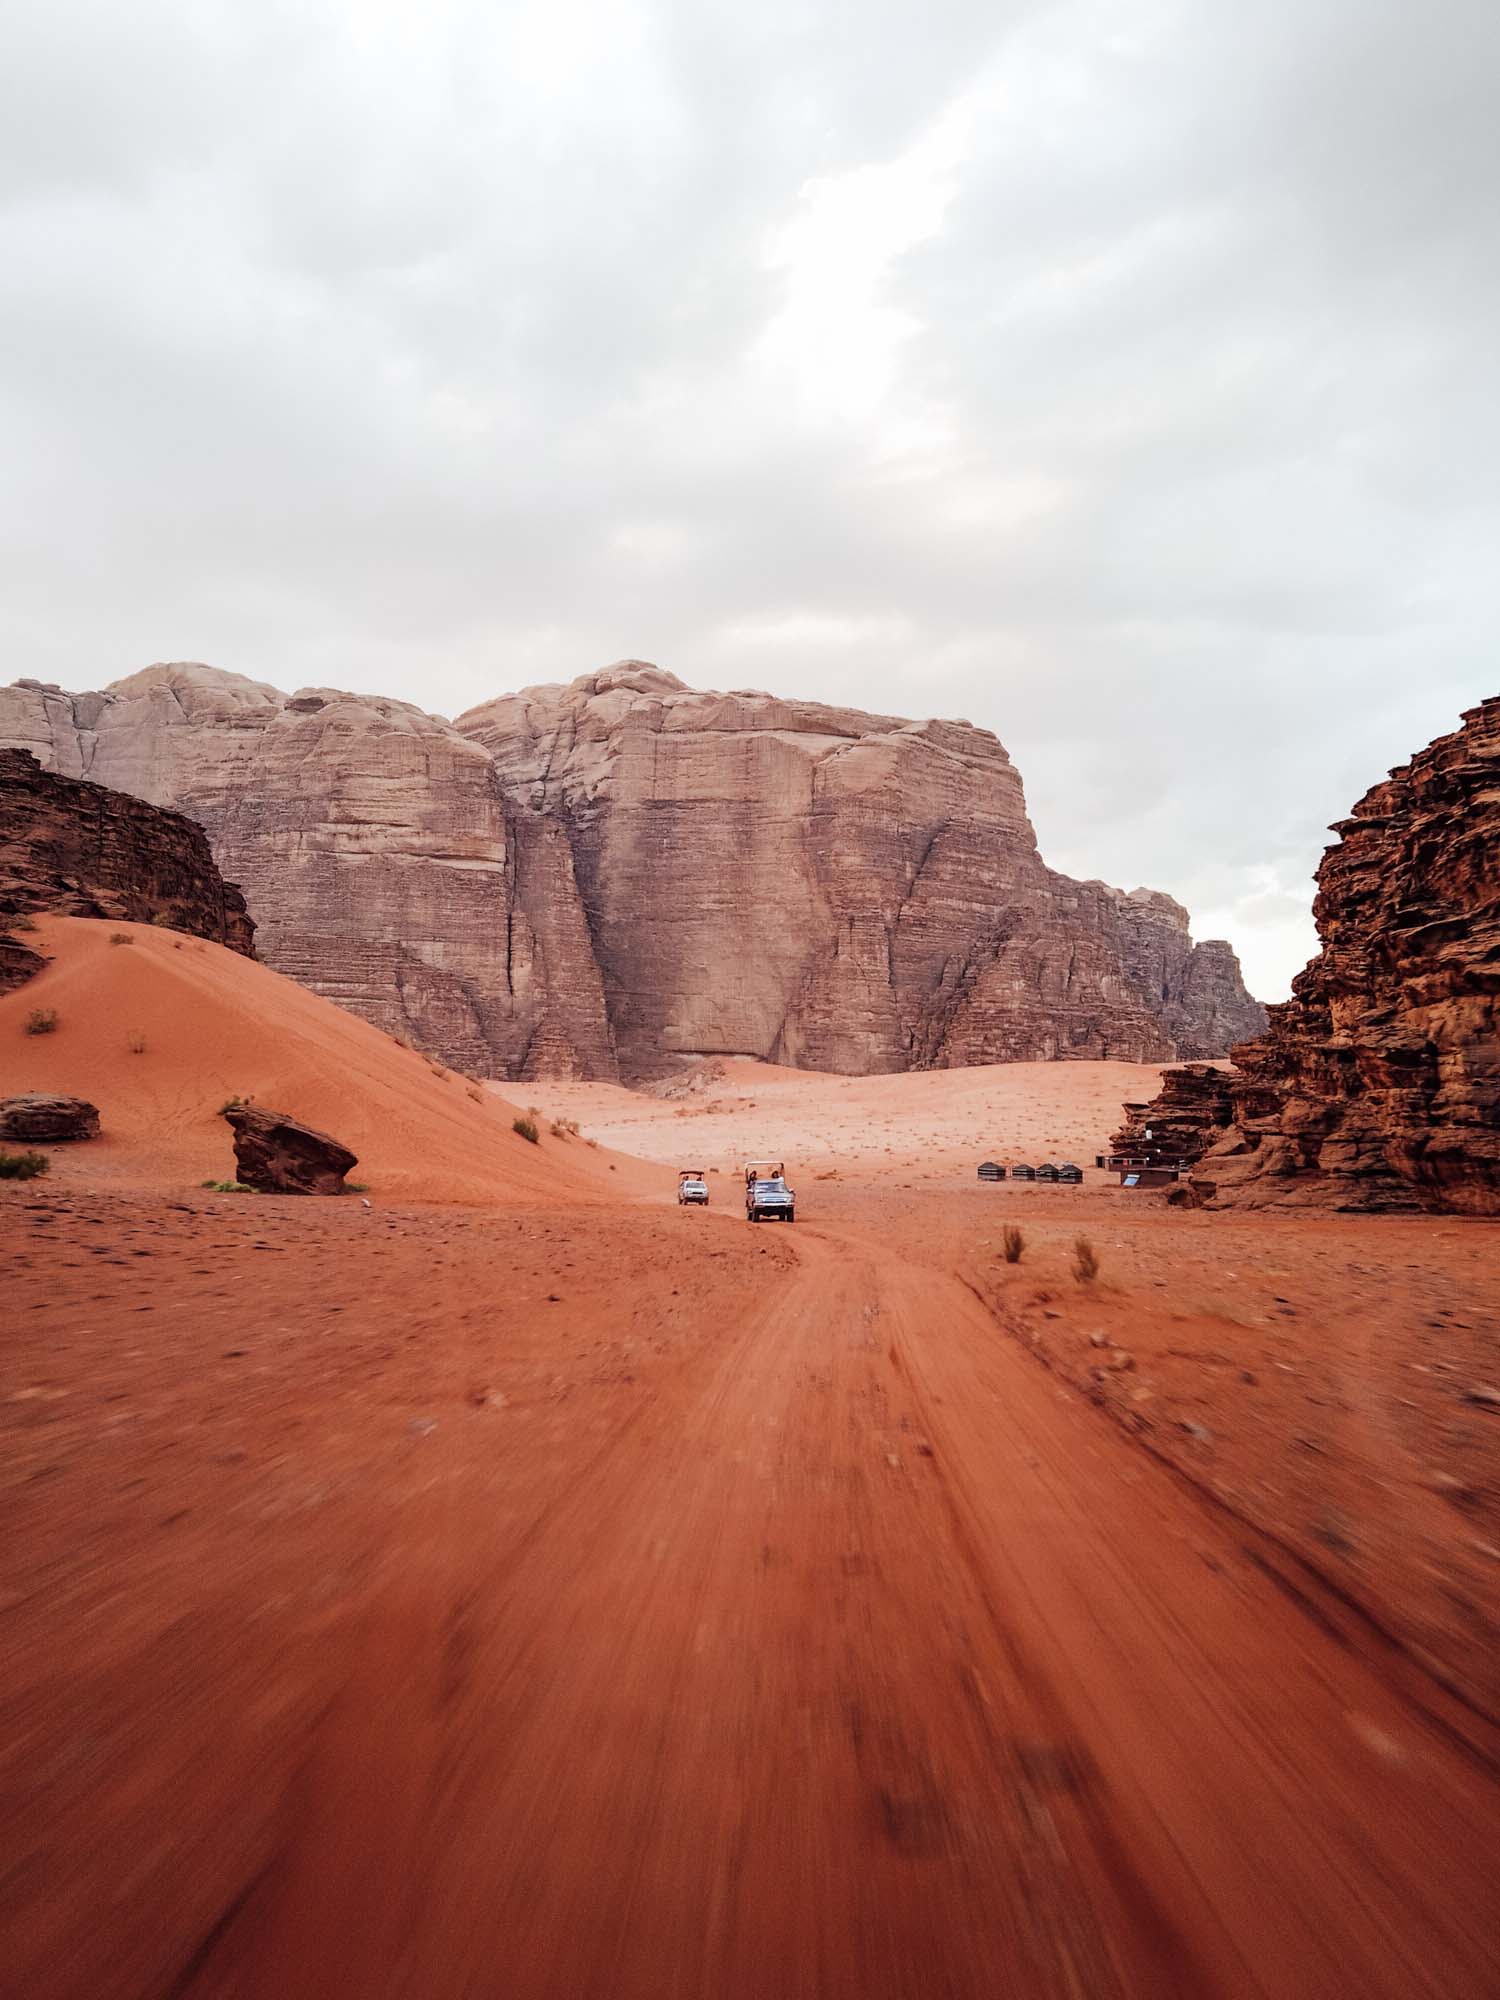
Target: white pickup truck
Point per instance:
(692, 1188)
(767, 1196)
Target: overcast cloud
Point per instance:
(1120, 376)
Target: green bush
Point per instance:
(228, 1187)
(527, 1129)
(41, 1021)
(121, 937)
(18, 924)
(1013, 1243)
(23, 1166)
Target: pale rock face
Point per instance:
(838, 890)
(623, 874)
(374, 839)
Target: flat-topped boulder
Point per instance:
(48, 1119)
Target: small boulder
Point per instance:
(275, 1154)
(48, 1119)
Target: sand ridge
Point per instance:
(160, 1031)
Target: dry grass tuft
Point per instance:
(1085, 1260)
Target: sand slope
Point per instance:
(159, 1032)
(926, 1124)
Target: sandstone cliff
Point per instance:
(1378, 1084)
(622, 873)
(374, 847)
(838, 890)
(84, 850)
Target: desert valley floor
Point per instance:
(538, 1589)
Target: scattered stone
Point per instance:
(1486, 1397)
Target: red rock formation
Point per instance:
(1187, 1116)
(626, 874)
(82, 850)
(1378, 1084)
(275, 1154)
(47, 1119)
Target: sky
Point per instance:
(1116, 374)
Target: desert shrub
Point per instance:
(19, 924)
(564, 1128)
(1012, 1242)
(1085, 1260)
(23, 1166)
(234, 1103)
(229, 1187)
(356, 1187)
(527, 1129)
(475, 1093)
(41, 1021)
(137, 1045)
(121, 937)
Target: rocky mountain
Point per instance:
(85, 850)
(1378, 1084)
(621, 874)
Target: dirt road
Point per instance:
(801, 1637)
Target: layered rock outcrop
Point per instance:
(1190, 1113)
(622, 874)
(86, 850)
(1378, 1084)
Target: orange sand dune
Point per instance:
(159, 1032)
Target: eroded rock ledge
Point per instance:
(86, 850)
(1377, 1085)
